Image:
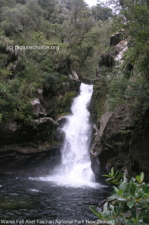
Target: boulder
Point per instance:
(38, 109)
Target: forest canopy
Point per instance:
(74, 33)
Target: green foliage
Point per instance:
(15, 100)
(71, 26)
(67, 100)
(117, 92)
(50, 83)
(128, 83)
(137, 26)
(129, 203)
(101, 13)
(114, 177)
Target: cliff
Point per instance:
(121, 131)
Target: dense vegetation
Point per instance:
(127, 82)
(75, 35)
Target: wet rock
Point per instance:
(37, 163)
(120, 48)
(18, 136)
(45, 120)
(37, 107)
(29, 148)
(13, 126)
(114, 138)
(103, 122)
(115, 39)
(61, 120)
(122, 143)
(73, 75)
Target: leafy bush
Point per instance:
(129, 203)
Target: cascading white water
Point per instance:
(75, 151)
(75, 169)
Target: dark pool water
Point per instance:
(29, 201)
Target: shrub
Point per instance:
(128, 204)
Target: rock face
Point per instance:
(120, 48)
(74, 75)
(28, 138)
(113, 140)
(139, 149)
(120, 138)
(108, 59)
(28, 148)
(121, 144)
(38, 163)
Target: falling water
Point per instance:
(66, 194)
(75, 169)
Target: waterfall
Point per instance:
(75, 168)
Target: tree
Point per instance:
(101, 13)
(136, 27)
(49, 7)
(6, 4)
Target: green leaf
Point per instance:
(116, 189)
(109, 179)
(130, 204)
(105, 206)
(120, 192)
(111, 207)
(106, 175)
(122, 199)
(123, 186)
(145, 189)
(113, 197)
(94, 211)
(133, 188)
(112, 171)
(140, 178)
